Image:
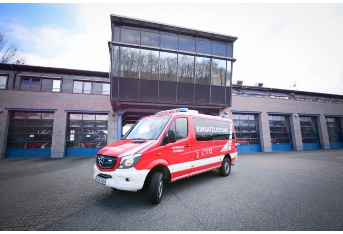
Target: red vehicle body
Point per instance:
(167, 146)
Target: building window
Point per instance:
(309, 130)
(229, 50)
(168, 66)
(106, 89)
(202, 70)
(129, 62)
(187, 44)
(56, 86)
(129, 35)
(185, 68)
(228, 73)
(150, 38)
(218, 49)
(149, 64)
(3, 82)
(280, 131)
(334, 129)
(29, 130)
(33, 84)
(203, 46)
(247, 129)
(82, 87)
(218, 69)
(87, 130)
(169, 41)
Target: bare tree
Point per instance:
(9, 53)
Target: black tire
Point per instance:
(156, 188)
(225, 168)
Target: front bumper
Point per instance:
(123, 179)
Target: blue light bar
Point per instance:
(172, 111)
(225, 116)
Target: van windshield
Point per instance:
(147, 129)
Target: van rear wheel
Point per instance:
(156, 188)
(225, 168)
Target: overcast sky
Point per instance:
(278, 44)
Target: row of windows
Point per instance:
(157, 65)
(335, 130)
(171, 41)
(55, 85)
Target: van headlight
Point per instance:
(129, 161)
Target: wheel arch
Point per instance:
(158, 168)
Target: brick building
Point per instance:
(56, 112)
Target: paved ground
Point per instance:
(265, 191)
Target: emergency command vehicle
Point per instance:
(166, 147)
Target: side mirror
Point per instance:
(171, 137)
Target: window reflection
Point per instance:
(219, 49)
(169, 41)
(149, 64)
(187, 44)
(150, 39)
(202, 70)
(229, 52)
(203, 46)
(186, 68)
(129, 62)
(218, 72)
(130, 36)
(228, 73)
(168, 66)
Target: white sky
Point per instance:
(278, 44)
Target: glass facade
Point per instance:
(87, 130)
(335, 132)
(247, 132)
(40, 84)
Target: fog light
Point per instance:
(127, 179)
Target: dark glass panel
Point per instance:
(202, 70)
(115, 61)
(228, 73)
(229, 51)
(129, 62)
(185, 93)
(167, 91)
(47, 122)
(202, 94)
(187, 44)
(149, 64)
(169, 41)
(130, 36)
(150, 38)
(185, 68)
(168, 66)
(218, 72)
(19, 122)
(115, 33)
(128, 89)
(33, 122)
(218, 95)
(219, 49)
(148, 91)
(203, 47)
(46, 85)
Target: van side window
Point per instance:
(180, 126)
(208, 129)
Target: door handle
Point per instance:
(188, 145)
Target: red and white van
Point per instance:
(166, 147)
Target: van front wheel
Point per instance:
(156, 188)
(225, 168)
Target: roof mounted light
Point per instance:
(176, 111)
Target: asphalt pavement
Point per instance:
(293, 190)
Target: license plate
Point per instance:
(100, 180)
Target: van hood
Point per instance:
(126, 147)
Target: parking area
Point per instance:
(293, 190)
